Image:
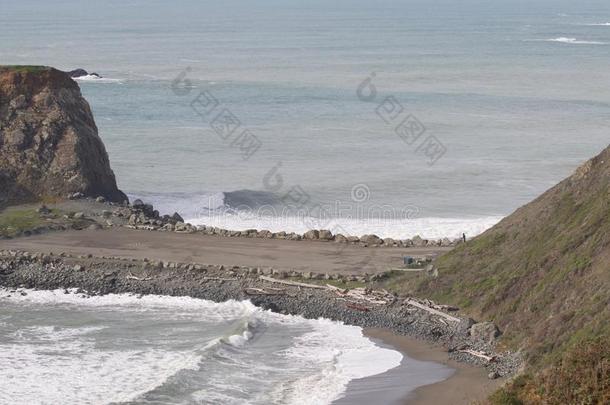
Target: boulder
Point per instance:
(417, 241)
(49, 145)
(389, 241)
(311, 235)
(463, 328)
(43, 210)
(371, 239)
(176, 217)
(486, 332)
(340, 238)
(325, 235)
(77, 73)
(264, 234)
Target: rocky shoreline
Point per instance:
(141, 216)
(464, 339)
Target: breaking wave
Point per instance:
(570, 40)
(74, 349)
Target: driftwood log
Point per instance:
(132, 277)
(431, 310)
(291, 283)
(218, 279)
(477, 354)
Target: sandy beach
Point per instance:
(322, 257)
(464, 386)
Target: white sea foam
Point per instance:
(131, 302)
(223, 210)
(65, 365)
(97, 79)
(346, 355)
(431, 228)
(569, 40)
(607, 24)
(49, 365)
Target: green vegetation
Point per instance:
(580, 376)
(14, 222)
(25, 68)
(543, 275)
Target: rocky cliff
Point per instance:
(49, 145)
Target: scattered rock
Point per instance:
(340, 238)
(43, 210)
(371, 240)
(76, 196)
(325, 235)
(463, 328)
(486, 332)
(311, 235)
(176, 217)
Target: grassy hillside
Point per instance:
(543, 275)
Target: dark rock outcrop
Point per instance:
(81, 72)
(49, 145)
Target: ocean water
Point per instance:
(62, 348)
(500, 100)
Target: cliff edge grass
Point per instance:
(24, 68)
(543, 275)
(49, 143)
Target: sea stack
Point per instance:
(49, 144)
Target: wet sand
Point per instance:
(456, 383)
(315, 256)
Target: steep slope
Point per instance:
(543, 273)
(49, 146)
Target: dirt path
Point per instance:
(322, 257)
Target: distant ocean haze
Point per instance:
(513, 91)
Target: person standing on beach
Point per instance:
(464, 237)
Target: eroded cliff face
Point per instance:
(49, 145)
